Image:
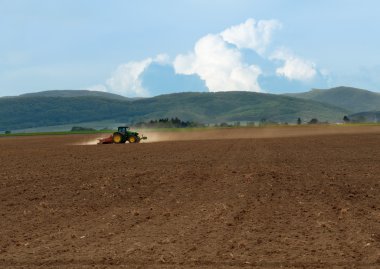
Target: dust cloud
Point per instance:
(87, 142)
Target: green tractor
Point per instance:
(122, 135)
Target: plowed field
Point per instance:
(241, 198)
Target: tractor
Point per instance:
(122, 135)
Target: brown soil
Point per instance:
(310, 201)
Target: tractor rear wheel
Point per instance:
(132, 139)
(117, 138)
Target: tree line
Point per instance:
(168, 123)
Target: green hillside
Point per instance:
(234, 106)
(29, 111)
(353, 99)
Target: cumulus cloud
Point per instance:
(294, 68)
(251, 34)
(220, 66)
(126, 79)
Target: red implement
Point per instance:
(106, 140)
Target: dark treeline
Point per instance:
(168, 123)
(81, 129)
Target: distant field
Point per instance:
(291, 129)
(67, 127)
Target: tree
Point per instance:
(80, 129)
(313, 121)
(346, 119)
(263, 121)
(7, 132)
(299, 121)
(166, 123)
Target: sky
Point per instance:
(152, 47)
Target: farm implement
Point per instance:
(122, 135)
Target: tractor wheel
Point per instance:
(132, 139)
(117, 138)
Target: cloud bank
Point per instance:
(219, 60)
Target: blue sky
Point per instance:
(146, 48)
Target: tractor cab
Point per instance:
(123, 129)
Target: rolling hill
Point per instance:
(75, 93)
(35, 110)
(352, 99)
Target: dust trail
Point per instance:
(153, 137)
(86, 142)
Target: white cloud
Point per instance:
(294, 68)
(184, 64)
(126, 78)
(220, 66)
(162, 59)
(251, 34)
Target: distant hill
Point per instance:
(29, 111)
(74, 93)
(353, 99)
(235, 106)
